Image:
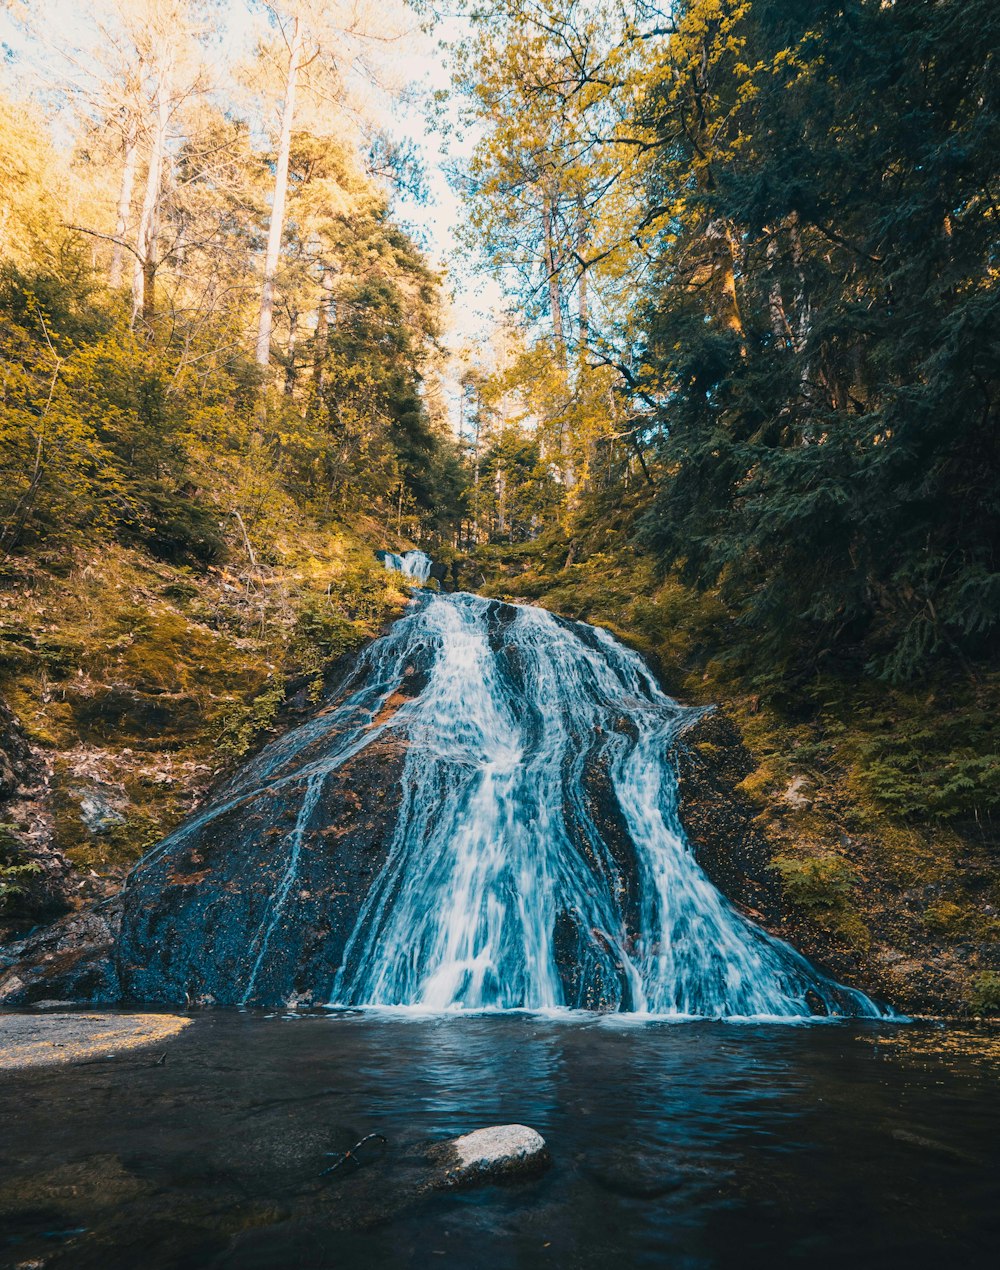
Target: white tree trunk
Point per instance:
(552, 268)
(131, 137)
(277, 222)
(146, 262)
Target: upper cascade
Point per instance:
(485, 816)
(415, 564)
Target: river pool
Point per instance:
(673, 1144)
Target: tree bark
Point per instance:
(322, 329)
(552, 265)
(131, 138)
(735, 321)
(144, 274)
(277, 221)
(290, 368)
(583, 305)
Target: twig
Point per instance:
(350, 1155)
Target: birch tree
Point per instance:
(322, 52)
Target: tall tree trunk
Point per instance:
(131, 138)
(552, 266)
(584, 312)
(583, 304)
(277, 221)
(731, 259)
(322, 329)
(149, 287)
(475, 472)
(290, 364)
(144, 274)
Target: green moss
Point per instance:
(984, 994)
(823, 886)
(243, 723)
(120, 845)
(16, 873)
(816, 882)
(949, 918)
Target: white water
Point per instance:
(412, 564)
(537, 859)
(500, 890)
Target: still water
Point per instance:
(853, 1144)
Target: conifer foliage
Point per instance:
(779, 222)
(824, 328)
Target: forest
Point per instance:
(739, 404)
(499, 634)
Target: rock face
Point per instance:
(711, 760)
(72, 960)
(722, 829)
(736, 847)
(499, 1151)
(250, 901)
(26, 833)
(482, 816)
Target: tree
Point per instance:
(321, 48)
(824, 318)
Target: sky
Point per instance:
(478, 300)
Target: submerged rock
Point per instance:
(638, 1174)
(498, 1151)
(27, 1040)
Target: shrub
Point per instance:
(984, 996)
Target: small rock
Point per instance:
(499, 1151)
(97, 811)
(796, 795)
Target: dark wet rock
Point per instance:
(923, 1143)
(71, 960)
(737, 855)
(711, 761)
(196, 920)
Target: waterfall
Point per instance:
(538, 859)
(485, 816)
(416, 565)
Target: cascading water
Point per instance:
(415, 565)
(500, 890)
(534, 857)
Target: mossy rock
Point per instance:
(119, 711)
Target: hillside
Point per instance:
(855, 819)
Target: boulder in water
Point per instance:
(499, 1151)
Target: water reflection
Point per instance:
(701, 1145)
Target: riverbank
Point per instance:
(44, 1040)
